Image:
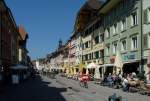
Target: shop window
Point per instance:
(134, 19)
(134, 43)
(123, 45)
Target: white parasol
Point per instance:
(97, 73)
(92, 65)
(118, 61)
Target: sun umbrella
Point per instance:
(97, 73)
(91, 65)
(87, 71)
(118, 62)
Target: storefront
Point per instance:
(131, 67)
(131, 63)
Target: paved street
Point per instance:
(62, 89)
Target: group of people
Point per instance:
(117, 81)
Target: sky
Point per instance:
(46, 21)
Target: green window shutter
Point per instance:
(145, 40)
(145, 16)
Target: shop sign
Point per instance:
(130, 56)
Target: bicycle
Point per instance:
(83, 81)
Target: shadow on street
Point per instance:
(33, 90)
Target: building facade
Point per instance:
(146, 36)
(22, 49)
(8, 41)
(78, 50)
(122, 30)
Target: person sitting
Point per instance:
(125, 84)
(110, 81)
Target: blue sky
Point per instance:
(46, 21)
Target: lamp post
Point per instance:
(141, 24)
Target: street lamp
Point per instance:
(142, 60)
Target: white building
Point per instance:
(146, 35)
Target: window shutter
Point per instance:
(131, 20)
(148, 15)
(145, 16)
(145, 41)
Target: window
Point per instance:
(97, 54)
(123, 25)
(145, 36)
(83, 46)
(134, 20)
(134, 43)
(115, 29)
(86, 57)
(90, 56)
(147, 15)
(149, 40)
(123, 45)
(107, 33)
(89, 43)
(114, 47)
(107, 49)
(96, 39)
(101, 38)
(90, 30)
(102, 54)
(86, 45)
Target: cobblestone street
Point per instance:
(63, 89)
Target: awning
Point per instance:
(19, 66)
(92, 65)
(107, 65)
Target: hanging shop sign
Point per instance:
(112, 60)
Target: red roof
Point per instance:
(22, 32)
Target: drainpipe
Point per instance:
(142, 60)
(1, 38)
